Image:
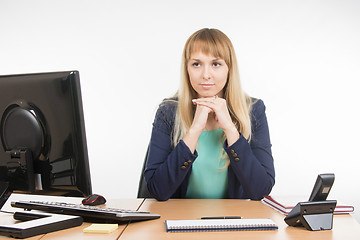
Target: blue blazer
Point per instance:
(251, 173)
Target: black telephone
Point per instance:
(317, 213)
(322, 187)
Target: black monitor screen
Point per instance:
(43, 144)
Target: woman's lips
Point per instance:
(207, 85)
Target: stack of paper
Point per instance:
(285, 205)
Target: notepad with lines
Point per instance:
(219, 225)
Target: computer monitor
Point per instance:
(42, 132)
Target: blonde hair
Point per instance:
(216, 43)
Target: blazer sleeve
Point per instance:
(252, 163)
(166, 167)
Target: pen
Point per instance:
(225, 217)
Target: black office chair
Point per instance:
(143, 191)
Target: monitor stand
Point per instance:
(19, 174)
(5, 192)
(20, 169)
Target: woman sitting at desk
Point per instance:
(210, 140)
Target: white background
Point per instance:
(301, 57)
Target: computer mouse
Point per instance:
(94, 200)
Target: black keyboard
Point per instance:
(88, 213)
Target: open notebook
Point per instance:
(219, 225)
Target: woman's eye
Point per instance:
(216, 64)
(196, 64)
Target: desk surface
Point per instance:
(344, 226)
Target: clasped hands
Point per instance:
(207, 105)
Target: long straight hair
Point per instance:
(215, 43)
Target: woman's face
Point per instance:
(208, 74)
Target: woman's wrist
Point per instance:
(232, 135)
(191, 138)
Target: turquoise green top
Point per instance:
(207, 179)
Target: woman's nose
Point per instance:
(207, 73)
